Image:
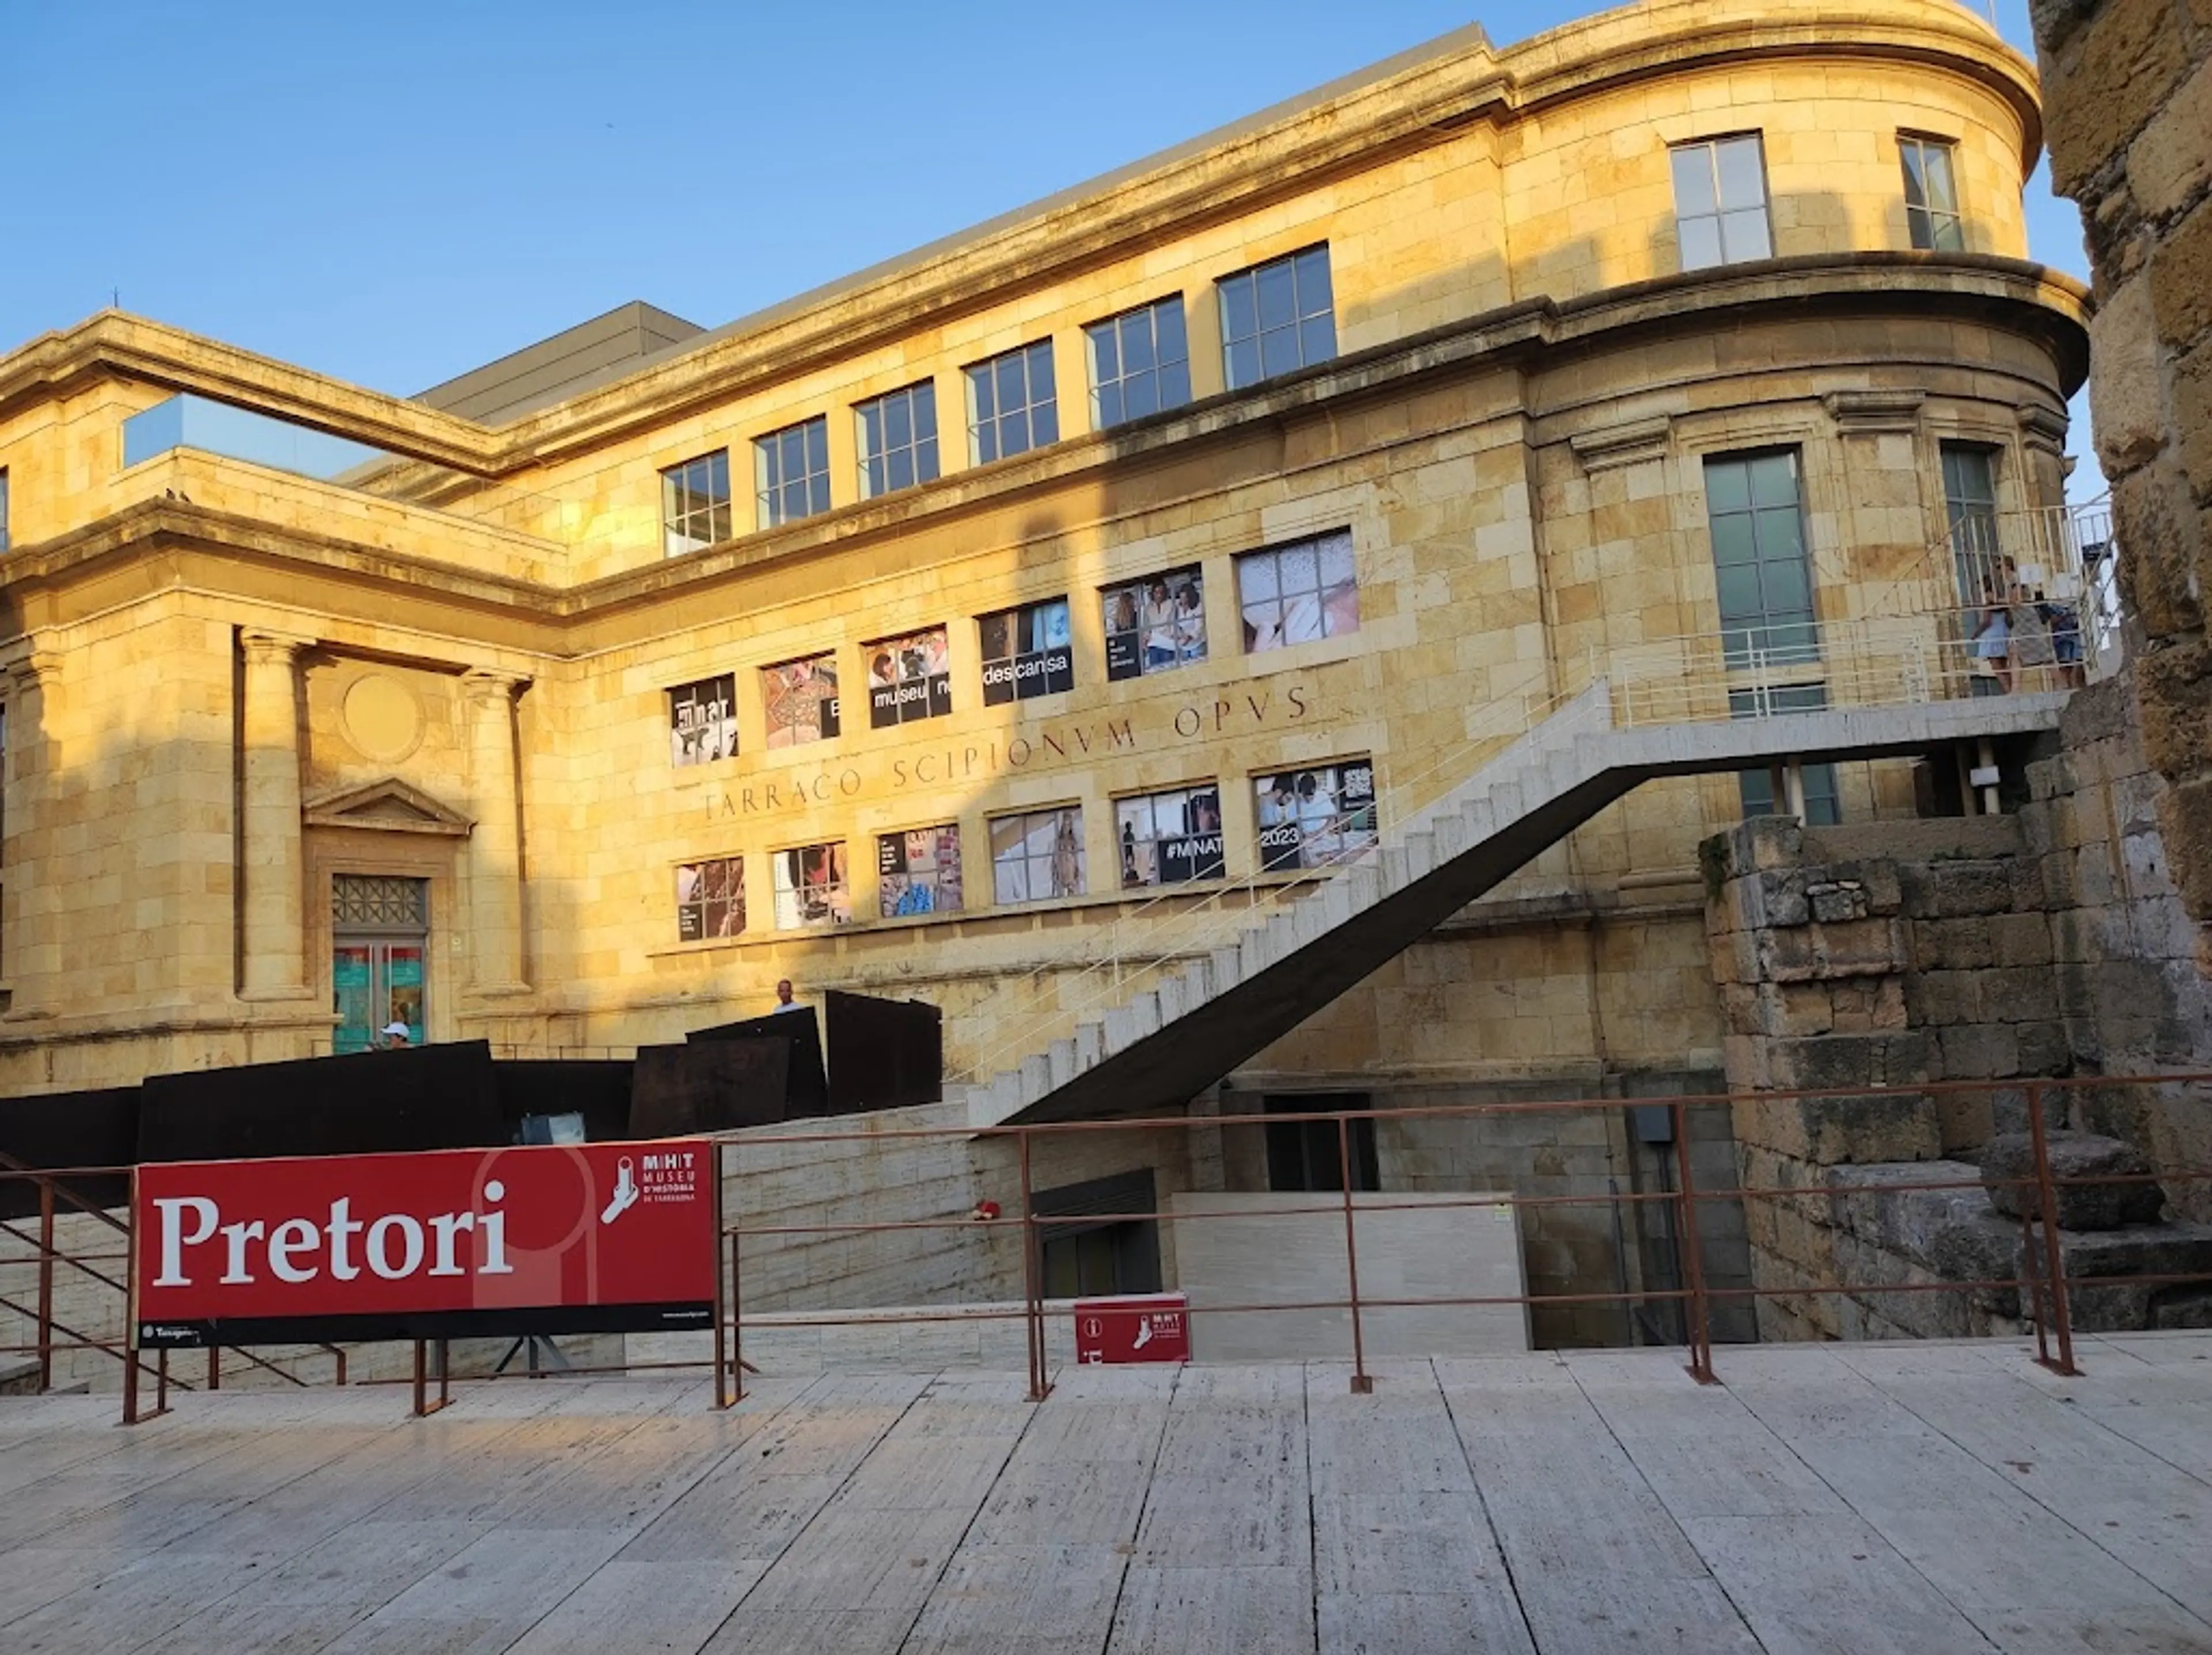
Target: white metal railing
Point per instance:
(1738, 673)
(2054, 566)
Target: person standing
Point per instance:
(784, 1002)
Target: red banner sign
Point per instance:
(1133, 1327)
(570, 1239)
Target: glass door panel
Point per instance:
(375, 983)
(352, 996)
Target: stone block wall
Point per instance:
(2128, 101)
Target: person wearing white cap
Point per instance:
(394, 1036)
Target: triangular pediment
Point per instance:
(389, 806)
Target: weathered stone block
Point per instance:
(1979, 1051)
(1952, 945)
(2020, 938)
(2008, 1168)
(1940, 998)
(1832, 905)
(2185, 816)
(1848, 1060)
(1767, 841)
(2153, 1250)
(2181, 278)
(2153, 518)
(2106, 83)
(1775, 898)
(2171, 161)
(2044, 1047)
(2020, 994)
(2127, 402)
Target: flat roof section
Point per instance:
(574, 359)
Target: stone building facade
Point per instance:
(939, 632)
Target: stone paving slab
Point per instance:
(1839, 1499)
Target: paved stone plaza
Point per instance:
(1918, 1499)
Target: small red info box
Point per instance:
(1136, 1328)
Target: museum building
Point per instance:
(1167, 533)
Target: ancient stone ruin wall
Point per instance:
(2128, 101)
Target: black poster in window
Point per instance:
(1196, 856)
(908, 678)
(1035, 673)
(1124, 658)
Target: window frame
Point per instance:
(1132, 850)
(1969, 523)
(4, 508)
(920, 397)
(931, 691)
(894, 854)
(1129, 647)
(1824, 796)
(704, 903)
(829, 723)
(1329, 621)
(787, 880)
(1054, 670)
(981, 381)
(1037, 814)
(675, 483)
(771, 452)
(1282, 829)
(1777, 650)
(1109, 392)
(1721, 211)
(1922, 219)
(1301, 262)
(707, 749)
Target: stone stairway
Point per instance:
(1196, 1012)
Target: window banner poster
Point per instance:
(702, 722)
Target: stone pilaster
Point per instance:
(494, 854)
(29, 939)
(272, 917)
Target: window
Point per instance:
(1315, 817)
(1759, 563)
(790, 470)
(1010, 407)
(918, 871)
(1970, 510)
(810, 892)
(1309, 1155)
(1026, 653)
(1298, 593)
(710, 898)
(1169, 838)
(898, 439)
(1277, 317)
(1823, 802)
(908, 678)
(702, 722)
(694, 504)
(1084, 1251)
(1140, 364)
(800, 698)
(1720, 201)
(1931, 198)
(4, 508)
(1154, 623)
(1038, 856)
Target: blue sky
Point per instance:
(394, 193)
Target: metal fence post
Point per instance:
(46, 1284)
(2054, 1260)
(1362, 1381)
(721, 1334)
(1032, 1286)
(1699, 1327)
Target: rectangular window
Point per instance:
(1823, 801)
(1309, 1155)
(1169, 838)
(702, 721)
(908, 678)
(1970, 511)
(1088, 1242)
(1037, 857)
(710, 898)
(1315, 817)
(1298, 593)
(898, 439)
(1140, 362)
(1026, 653)
(810, 890)
(918, 871)
(800, 698)
(1154, 623)
(4, 508)
(1011, 405)
(1931, 196)
(1765, 577)
(791, 471)
(1720, 201)
(694, 504)
(1277, 318)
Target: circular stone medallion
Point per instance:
(382, 718)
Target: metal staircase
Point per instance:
(1207, 985)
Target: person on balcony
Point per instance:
(1993, 636)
